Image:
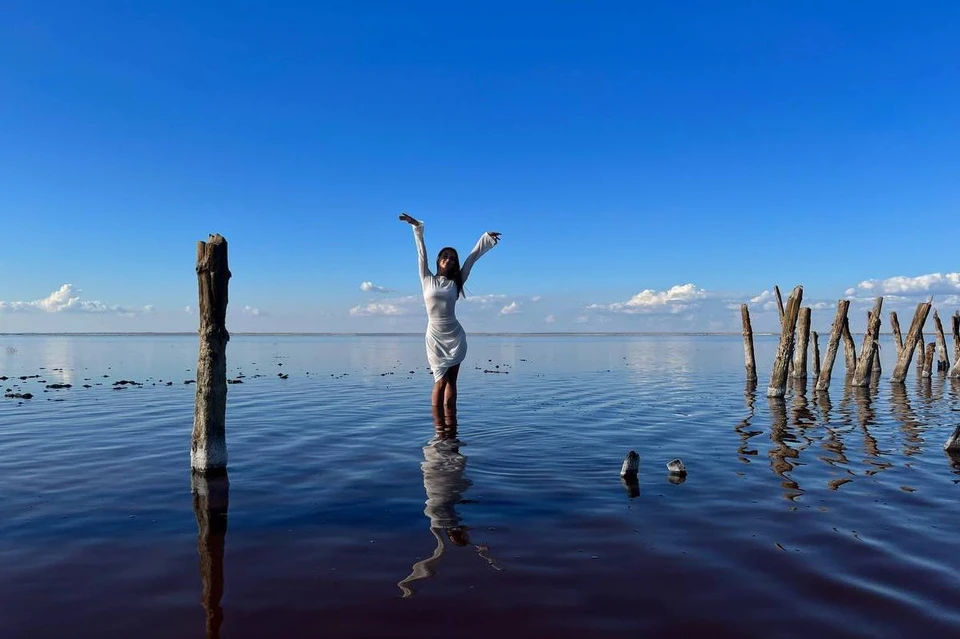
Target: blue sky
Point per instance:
(650, 165)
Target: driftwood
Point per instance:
(823, 379)
(778, 378)
(749, 359)
(943, 360)
(861, 377)
(920, 354)
(211, 501)
(928, 360)
(849, 347)
(875, 369)
(776, 291)
(952, 445)
(914, 337)
(802, 343)
(895, 327)
(816, 355)
(208, 450)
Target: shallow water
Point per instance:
(830, 515)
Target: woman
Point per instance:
(446, 342)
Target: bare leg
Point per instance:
(436, 398)
(450, 392)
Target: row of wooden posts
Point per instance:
(795, 338)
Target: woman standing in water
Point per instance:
(445, 339)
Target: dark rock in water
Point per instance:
(169, 383)
(19, 395)
(58, 386)
(234, 381)
(3, 379)
(87, 386)
(189, 381)
(283, 375)
(127, 382)
(26, 377)
(631, 465)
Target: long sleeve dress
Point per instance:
(445, 340)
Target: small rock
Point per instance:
(676, 466)
(631, 464)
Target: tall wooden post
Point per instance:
(208, 451)
(928, 360)
(955, 369)
(211, 501)
(816, 355)
(749, 359)
(778, 378)
(803, 342)
(943, 360)
(875, 368)
(920, 347)
(839, 321)
(914, 336)
(861, 377)
(849, 347)
(895, 328)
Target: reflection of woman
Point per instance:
(444, 481)
(446, 341)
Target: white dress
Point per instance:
(445, 339)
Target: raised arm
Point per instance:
(486, 242)
(421, 248)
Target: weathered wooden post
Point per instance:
(839, 321)
(861, 377)
(875, 369)
(802, 344)
(211, 501)
(816, 355)
(914, 335)
(208, 451)
(943, 360)
(920, 347)
(895, 328)
(849, 347)
(955, 369)
(778, 378)
(749, 360)
(928, 360)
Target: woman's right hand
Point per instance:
(409, 220)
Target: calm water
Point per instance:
(819, 515)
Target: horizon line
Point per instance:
(372, 334)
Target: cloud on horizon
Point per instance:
(675, 299)
(66, 299)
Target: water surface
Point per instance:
(347, 513)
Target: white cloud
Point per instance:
(149, 308)
(536, 298)
(550, 319)
(510, 309)
(673, 300)
(252, 310)
(188, 310)
(931, 283)
(65, 299)
(376, 309)
(370, 287)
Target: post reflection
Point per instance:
(782, 454)
(743, 428)
(211, 500)
(445, 482)
(909, 424)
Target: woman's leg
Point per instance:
(436, 398)
(450, 391)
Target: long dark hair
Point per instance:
(456, 275)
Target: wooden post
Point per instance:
(895, 327)
(955, 370)
(913, 337)
(803, 342)
(861, 377)
(816, 354)
(956, 336)
(208, 452)
(928, 359)
(778, 378)
(776, 291)
(749, 359)
(943, 360)
(920, 354)
(875, 369)
(211, 501)
(839, 321)
(849, 347)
